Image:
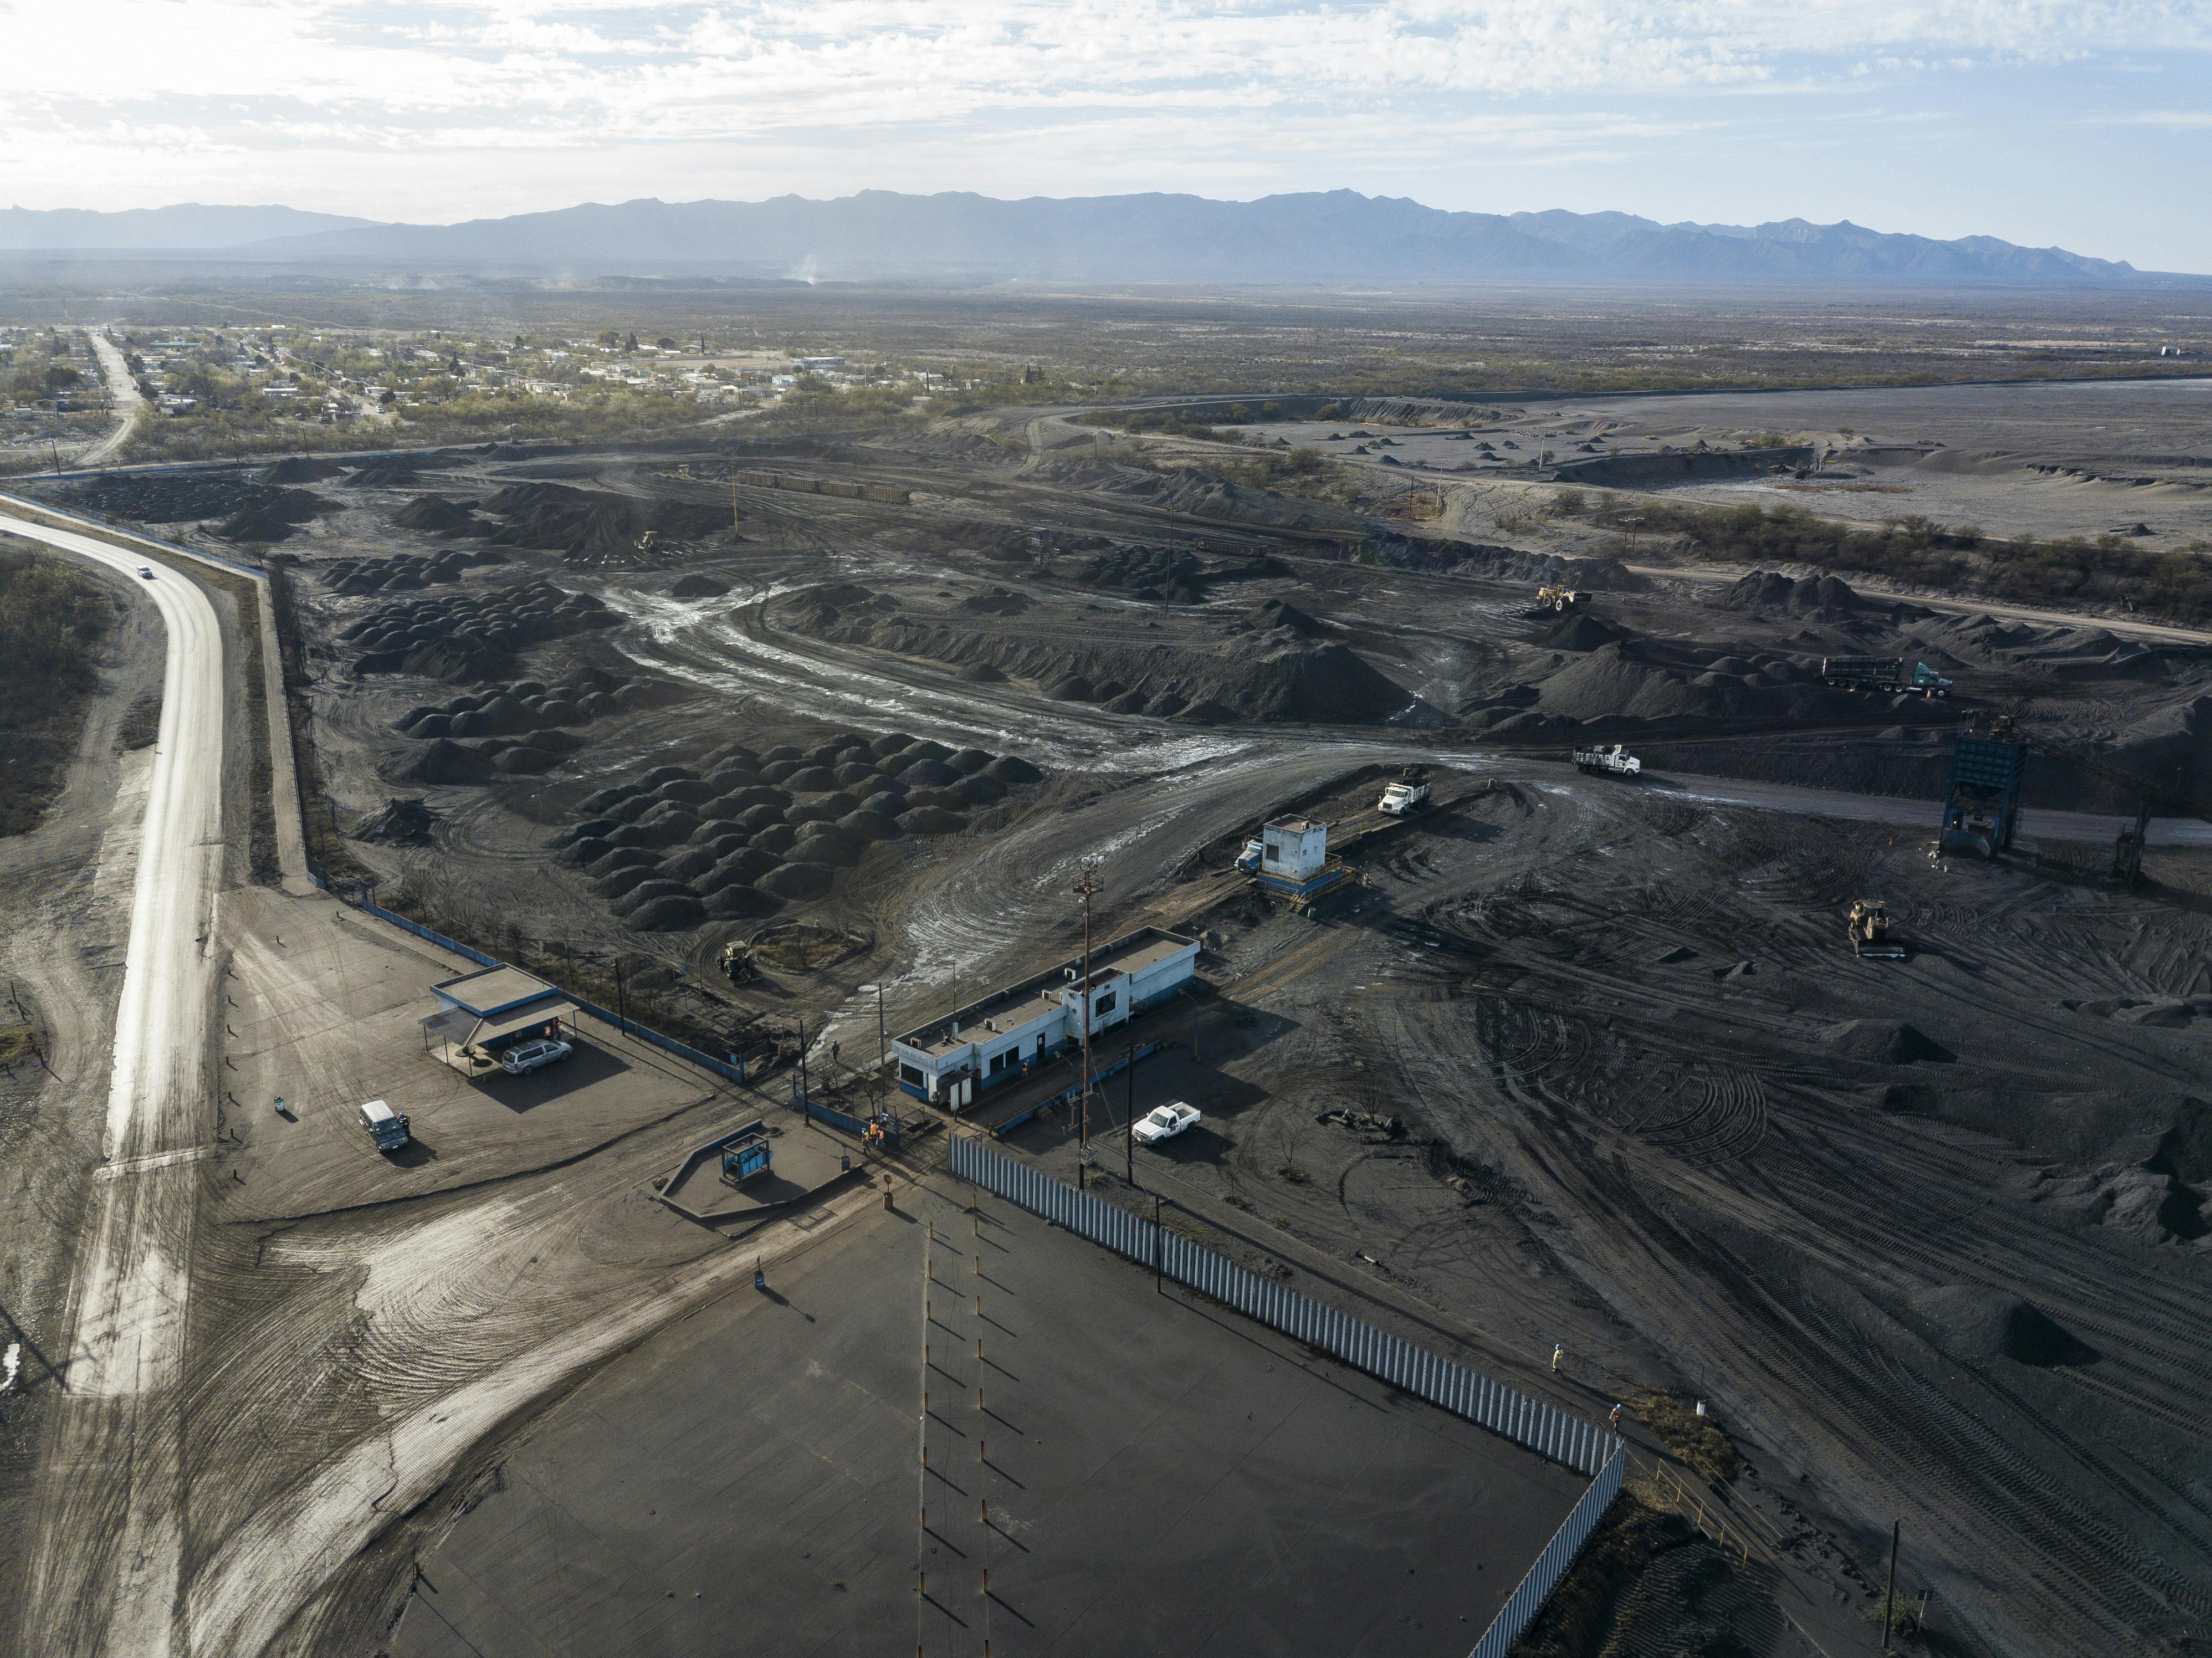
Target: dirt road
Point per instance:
(123, 395)
(113, 1459)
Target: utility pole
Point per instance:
(1087, 882)
(1129, 1117)
(1889, 1595)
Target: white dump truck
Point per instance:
(1610, 760)
(1409, 794)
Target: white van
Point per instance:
(388, 1127)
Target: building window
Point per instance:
(998, 1063)
(1104, 1004)
(910, 1073)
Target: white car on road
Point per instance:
(146, 571)
(529, 1056)
(1165, 1123)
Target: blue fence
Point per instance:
(1513, 1618)
(732, 1069)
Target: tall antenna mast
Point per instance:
(1087, 881)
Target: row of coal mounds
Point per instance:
(680, 845)
(177, 498)
(405, 571)
(582, 697)
(460, 635)
(1116, 698)
(524, 754)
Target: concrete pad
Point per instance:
(1144, 1472)
(320, 1006)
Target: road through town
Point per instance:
(113, 1461)
(122, 397)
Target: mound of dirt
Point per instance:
(403, 823)
(393, 472)
(675, 914)
(436, 515)
(645, 892)
(997, 601)
(1762, 590)
(178, 498)
(527, 761)
(1883, 1041)
(930, 820)
(593, 523)
(1278, 613)
(698, 586)
(1584, 632)
(741, 903)
(446, 762)
(300, 469)
(796, 880)
(1163, 573)
(982, 673)
(1976, 1326)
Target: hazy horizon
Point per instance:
(2043, 126)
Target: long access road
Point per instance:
(107, 1544)
(122, 395)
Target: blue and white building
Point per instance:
(1011, 1032)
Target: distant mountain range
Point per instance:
(1320, 238)
(186, 228)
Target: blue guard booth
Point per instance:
(746, 1154)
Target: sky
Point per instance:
(2082, 124)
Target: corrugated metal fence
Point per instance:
(1552, 1565)
(1583, 1446)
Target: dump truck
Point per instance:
(1409, 794)
(1249, 860)
(1868, 924)
(388, 1127)
(1882, 674)
(1561, 598)
(1609, 760)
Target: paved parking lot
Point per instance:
(1144, 1474)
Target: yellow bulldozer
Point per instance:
(736, 963)
(1561, 598)
(1869, 925)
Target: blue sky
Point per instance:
(2086, 125)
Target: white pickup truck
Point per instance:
(1164, 1123)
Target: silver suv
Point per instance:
(529, 1056)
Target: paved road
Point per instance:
(123, 394)
(107, 1548)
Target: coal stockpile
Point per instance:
(438, 516)
(401, 574)
(180, 499)
(530, 705)
(404, 822)
(744, 832)
(300, 469)
(594, 524)
(472, 638)
(1157, 572)
(1277, 669)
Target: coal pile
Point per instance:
(530, 704)
(472, 638)
(1169, 573)
(404, 822)
(698, 586)
(172, 499)
(742, 832)
(300, 469)
(1280, 673)
(594, 525)
(403, 573)
(393, 472)
(437, 515)
(1762, 590)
